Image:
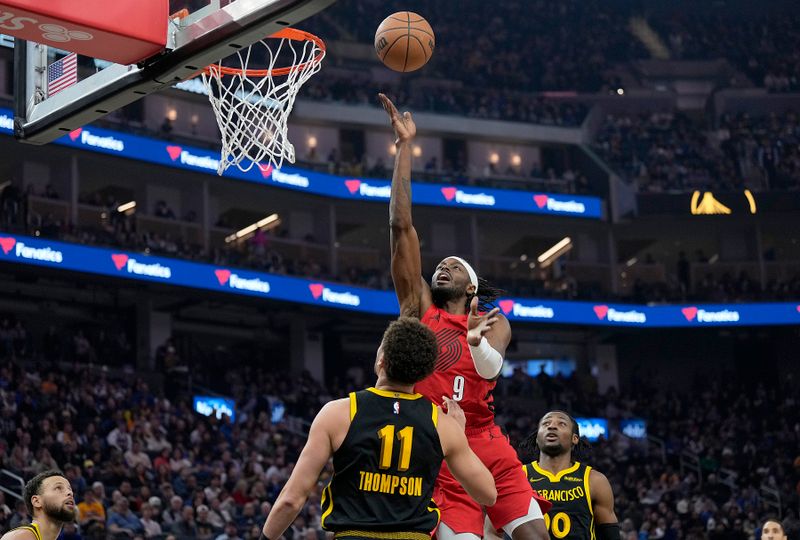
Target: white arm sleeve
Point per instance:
(487, 360)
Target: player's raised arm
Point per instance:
(413, 293)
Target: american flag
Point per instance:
(62, 74)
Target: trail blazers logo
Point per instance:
(450, 348)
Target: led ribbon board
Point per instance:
(17, 249)
(188, 158)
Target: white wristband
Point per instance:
(486, 359)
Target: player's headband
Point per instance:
(473, 277)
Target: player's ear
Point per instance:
(380, 361)
(575, 440)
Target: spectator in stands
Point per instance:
(230, 532)
(205, 529)
(136, 456)
(248, 517)
(122, 523)
(172, 514)
(19, 517)
(151, 528)
(119, 437)
(185, 528)
(90, 511)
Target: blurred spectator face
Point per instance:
(175, 503)
(266, 507)
(250, 511)
(772, 530)
(188, 514)
(99, 490)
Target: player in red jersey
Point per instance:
(471, 349)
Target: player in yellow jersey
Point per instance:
(583, 502)
(50, 502)
(387, 445)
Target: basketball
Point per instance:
(404, 41)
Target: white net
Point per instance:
(252, 103)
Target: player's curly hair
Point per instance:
(409, 350)
(529, 449)
(487, 294)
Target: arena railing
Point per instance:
(7, 477)
(772, 498)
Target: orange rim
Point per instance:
(180, 14)
(286, 33)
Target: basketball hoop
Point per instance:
(252, 106)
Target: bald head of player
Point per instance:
(558, 434)
(773, 530)
(407, 352)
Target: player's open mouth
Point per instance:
(442, 278)
(551, 437)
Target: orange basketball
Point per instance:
(404, 41)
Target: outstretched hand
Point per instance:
(452, 409)
(477, 324)
(404, 128)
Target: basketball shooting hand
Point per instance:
(454, 411)
(477, 324)
(404, 127)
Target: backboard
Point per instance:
(198, 33)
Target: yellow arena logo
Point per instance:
(709, 205)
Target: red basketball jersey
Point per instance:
(455, 374)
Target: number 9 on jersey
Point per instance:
(458, 388)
